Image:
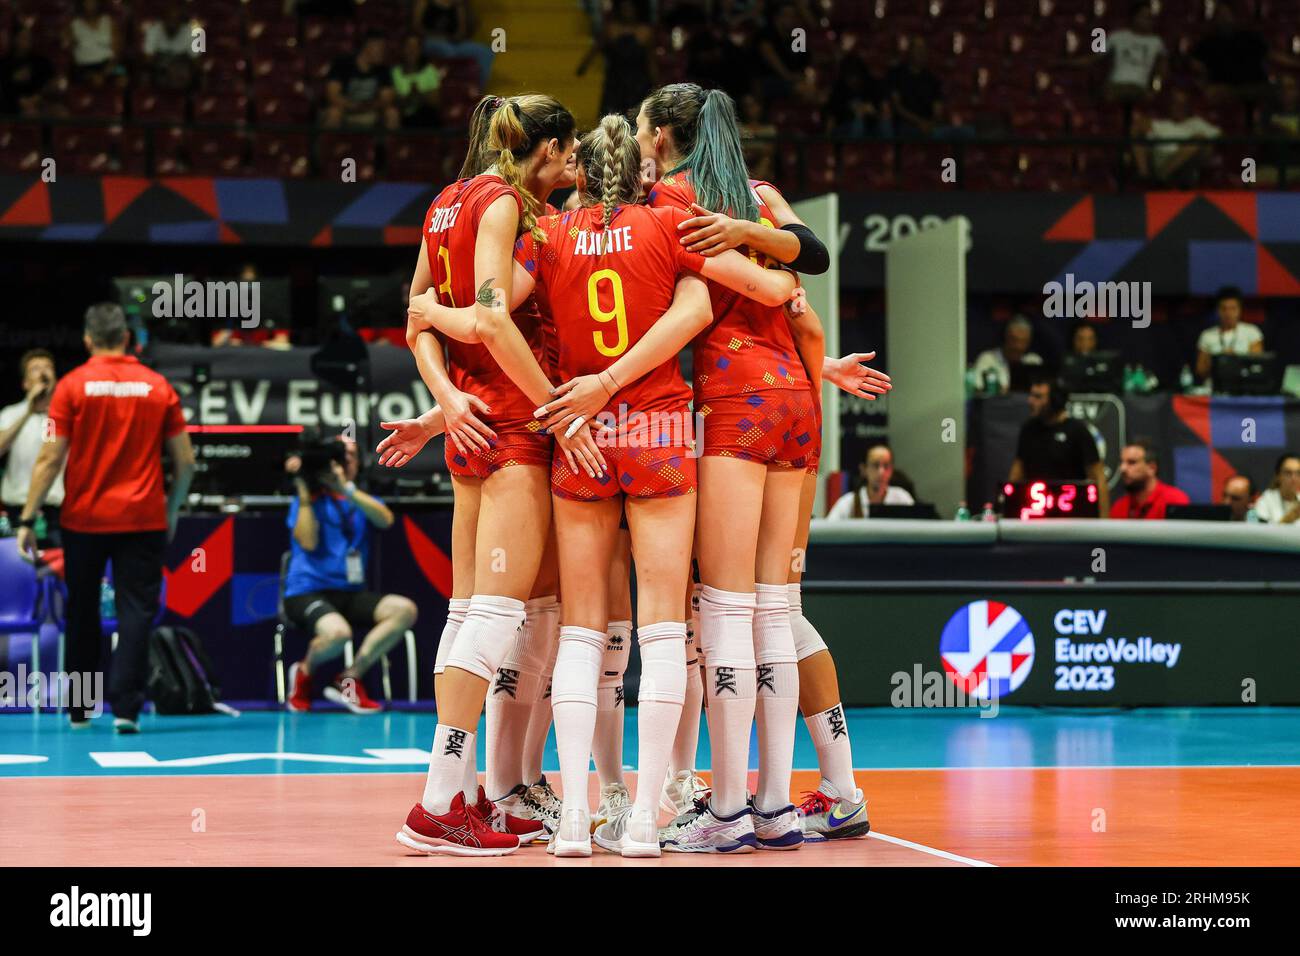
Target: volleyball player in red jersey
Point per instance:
(665, 117)
(499, 474)
(606, 276)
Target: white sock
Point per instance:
(517, 687)
(727, 636)
(659, 704)
(607, 743)
(573, 703)
(469, 784)
(777, 705)
(830, 735)
(539, 723)
(451, 748)
(686, 743)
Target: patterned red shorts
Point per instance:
(647, 468)
(775, 426)
(514, 445)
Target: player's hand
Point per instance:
(419, 315)
(580, 397)
(405, 439)
(26, 540)
(797, 304)
(850, 375)
(581, 451)
(464, 428)
(711, 233)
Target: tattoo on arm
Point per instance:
(486, 294)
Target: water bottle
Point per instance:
(5, 528)
(39, 526)
(991, 386)
(107, 601)
(1186, 381)
(988, 514)
(963, 513)
(1128, 379)
(1252, 516)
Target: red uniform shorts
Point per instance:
(514, 445)
(644, 466)
(775, 426)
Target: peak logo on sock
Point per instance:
(767, 678)
(618, 696)
(724, 678)
(835, 717)
(507, 682)
(455, 744)
(548, 691)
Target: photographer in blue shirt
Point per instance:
(325, 587)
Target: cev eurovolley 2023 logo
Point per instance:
(987, 649)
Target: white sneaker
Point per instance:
(703, 831)
(124, 726)
(631, 834)
(514, 805)
(779, 830)
(573, 836)
(613, 798)
(680, 792)
(543, 804)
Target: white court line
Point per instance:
(921, 847)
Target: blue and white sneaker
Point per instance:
(778, 830)
(700, 830)
(828, 816)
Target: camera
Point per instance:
(317, 460)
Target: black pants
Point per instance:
(137, 558)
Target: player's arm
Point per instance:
(1097, 475)
(741, 274)
(789, 241)
(424, 312)
(494, 278)
(405, 438)
(809, 342)
(49, 462)
(689, 314)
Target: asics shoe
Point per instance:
(458, 832)
(350, 693)
(300, 689)
(778, 830)
(701, 830)
(499, 819)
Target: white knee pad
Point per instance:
(773, 638)
(491, 628)
(663, 662)
(577, 666)
(726, 634)
(456, 611)
(807, 641)
(618, 645)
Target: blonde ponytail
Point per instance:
(517, 126)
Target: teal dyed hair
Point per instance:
(707, 138)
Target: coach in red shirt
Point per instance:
(112, 417)
(1147, 496)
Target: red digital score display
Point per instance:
(1042, 499)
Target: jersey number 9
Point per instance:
(618, 315)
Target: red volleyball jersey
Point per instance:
(450, 232)
(602, 288)
(749, 346)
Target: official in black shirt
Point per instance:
(1055, 447)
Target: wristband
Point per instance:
(25, 523)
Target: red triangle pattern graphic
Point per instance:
(188, 588)
(199, 190)
(1077, 225)
(324, 238)
(429, 558)
(32, 208)
(1162, 207)
(119, 192)
(995, 608)
(229, 235)
(1239, 207)
(1271, 277)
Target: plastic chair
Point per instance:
(283, 624)
(22, 604)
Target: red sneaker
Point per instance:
(350, 692)
(458, 832)
(502, 822)
(300, 689)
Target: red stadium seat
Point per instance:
(216, 153)
(282, 108)
(84, 150)
(20, 147)
(158, 106)
(286, 155)
(133, 151)
(93, 101)
(228, 108)
(334, 147)
(168, 145)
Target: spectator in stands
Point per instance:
(112, 417)
(25, 77)
(24, 427)
(96, 46)
(1231, 58)
(758, 138)
(1011, 360)
(1055, 447)
(718, 58)
(625, 41)
(168, 48)
(1280, 504)
(1146, 496)
(1230, 336)
(1239, 495)
(1282, 120)
(783, 59)
(324, 587)
(1174, 163)
(359, 89)
(445, 26)
(874, 488)
(856, 106)
(1083, 338)
(916, 96)
(1137, 57)
(416, 84)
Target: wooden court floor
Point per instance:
(1114, 816)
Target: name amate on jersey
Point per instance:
(598, 242)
